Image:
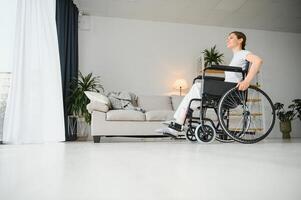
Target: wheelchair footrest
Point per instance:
(176, 126)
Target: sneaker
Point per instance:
(168, 131)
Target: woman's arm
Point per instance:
(256, 63)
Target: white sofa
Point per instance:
(106, 122)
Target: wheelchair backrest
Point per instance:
(216, 86)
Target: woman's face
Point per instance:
(233, 41)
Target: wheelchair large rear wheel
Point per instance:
(250, 114)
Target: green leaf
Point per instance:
(77, 101)
(212, 56)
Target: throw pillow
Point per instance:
(97, 97)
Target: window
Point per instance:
(7, 24)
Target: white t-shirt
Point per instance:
(238, 60)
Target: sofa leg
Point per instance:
(96, 139)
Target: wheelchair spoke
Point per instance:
(251, 104)
(233, 98)
(230, 105)
(238, 127)
(240, 96)
(255, 127)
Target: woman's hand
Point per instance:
(243, 85)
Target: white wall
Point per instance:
(147, 57)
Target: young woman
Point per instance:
(236, 41)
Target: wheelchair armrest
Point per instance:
(244, 70)
(225, 68)
(200, 77)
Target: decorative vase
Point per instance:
(285, 128)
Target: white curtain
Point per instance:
(34, 112)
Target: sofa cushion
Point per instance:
(175, 101)
(125, 115)
(154, 102)
(159, 115)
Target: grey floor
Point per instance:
(152, 169)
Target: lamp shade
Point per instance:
(180, 84)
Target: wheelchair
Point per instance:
(242, 116)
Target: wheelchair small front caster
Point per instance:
(205, 133)
(190, 135)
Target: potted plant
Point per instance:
(212, 56)
(77, 101)
(286, 116)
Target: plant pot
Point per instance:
(72, 128)
(285, 128)
(82, 127)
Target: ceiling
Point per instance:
(274, 15)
